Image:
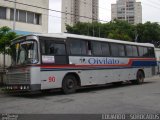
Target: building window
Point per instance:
(37, 18)
(3, 12)
(25, 16)
(22, 16)
(30, 17)
(12, 14)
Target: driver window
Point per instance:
(51, 48)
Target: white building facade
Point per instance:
(78, 11)
(128, 10)
(29, 19)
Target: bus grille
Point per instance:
(17, 78)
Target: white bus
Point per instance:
(157, 51)
(67, 61)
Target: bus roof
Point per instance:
(66, 35)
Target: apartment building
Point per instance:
(128, 10)
(78, 11)
(29, 19)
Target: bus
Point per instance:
(69, 62)
(157, 51)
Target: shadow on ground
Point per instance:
(58, 92)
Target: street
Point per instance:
(126, 98)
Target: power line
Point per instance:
(55, 10)
(150, 5)
(155, 3)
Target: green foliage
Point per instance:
(121, 30)
(149, 32)
(115, 30)
(6, 35)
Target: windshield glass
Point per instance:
(24, 53)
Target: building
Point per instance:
(29, 19)
(128, 10)
(74, 11)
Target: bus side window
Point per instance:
(89, 48)
(105, 49)
(59, 49)
(78, 47)
(96, 47)
(135, 51)
(114, 50)
(151, 52)
(121, 50)
(51, 49)
(129, 50)
(140, 49)
(42, 44)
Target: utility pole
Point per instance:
(14, 19)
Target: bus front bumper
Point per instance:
(23, 87)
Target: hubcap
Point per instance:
(70, 84)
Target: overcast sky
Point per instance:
(150, 12)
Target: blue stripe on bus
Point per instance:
(144, 63)
(135, 64)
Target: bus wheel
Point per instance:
(140, 78)
(69, 84)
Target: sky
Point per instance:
(150, 12)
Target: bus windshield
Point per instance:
(24, 52)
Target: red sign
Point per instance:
(51, 79)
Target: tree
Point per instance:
(6, 35)
(115, 29)
(121, 30)
(149, 33)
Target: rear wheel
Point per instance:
(140, 78)
(69, 84)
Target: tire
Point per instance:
(69, 84)
(140, 78)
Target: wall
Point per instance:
(20, 26)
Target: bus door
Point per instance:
(60, 53)
(53, 54)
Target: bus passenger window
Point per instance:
(114, 50)
(105, 49)
(145, 52)
(135, 51)
(78, 47)
(129, 50)
(97, 50)
(121, 50)
(140, 49)
(59, 49)
(151, 52)
(89, 48)
(51, 49)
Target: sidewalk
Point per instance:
(156, 77)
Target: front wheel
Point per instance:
(69, 84)
(140, 78)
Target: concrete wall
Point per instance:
(7, 60)
(88, 8)
(20, 26)
(138, 12)
(121, 4)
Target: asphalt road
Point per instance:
(126, 98)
